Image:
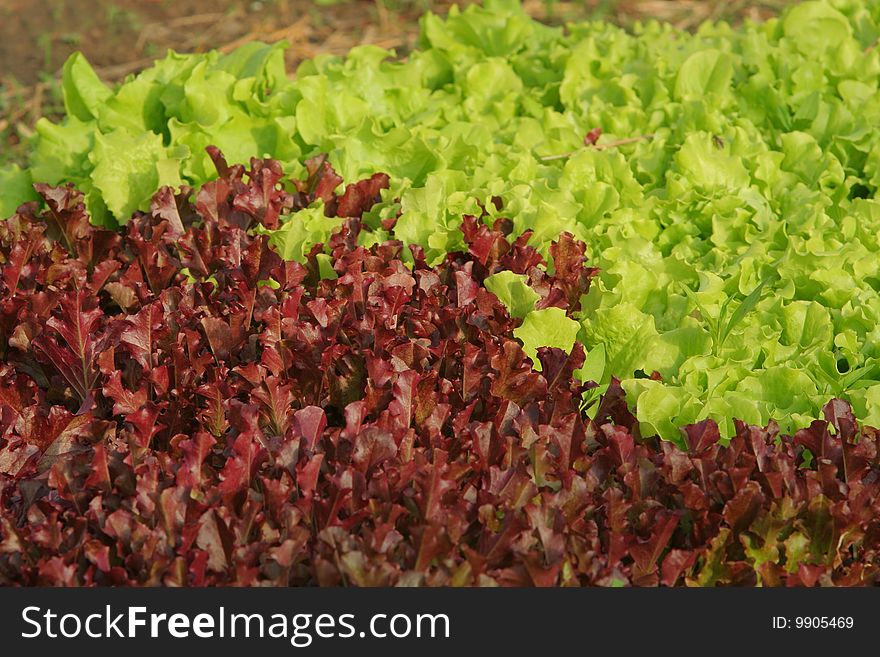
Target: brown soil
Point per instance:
(121, 36)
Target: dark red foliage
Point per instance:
(592, 137)
(383, 427)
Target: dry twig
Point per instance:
(598, 147)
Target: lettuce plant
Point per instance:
(181, 406)
(724, 181)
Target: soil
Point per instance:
(122, 36)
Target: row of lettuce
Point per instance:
(182, 406)
(728, 201)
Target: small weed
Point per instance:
(44, 42)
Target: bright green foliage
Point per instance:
(15, 188)
(737, 237)
(546, 328)
(296, 237)
(513, 291)
(120, 145)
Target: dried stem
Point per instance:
(598, 147)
